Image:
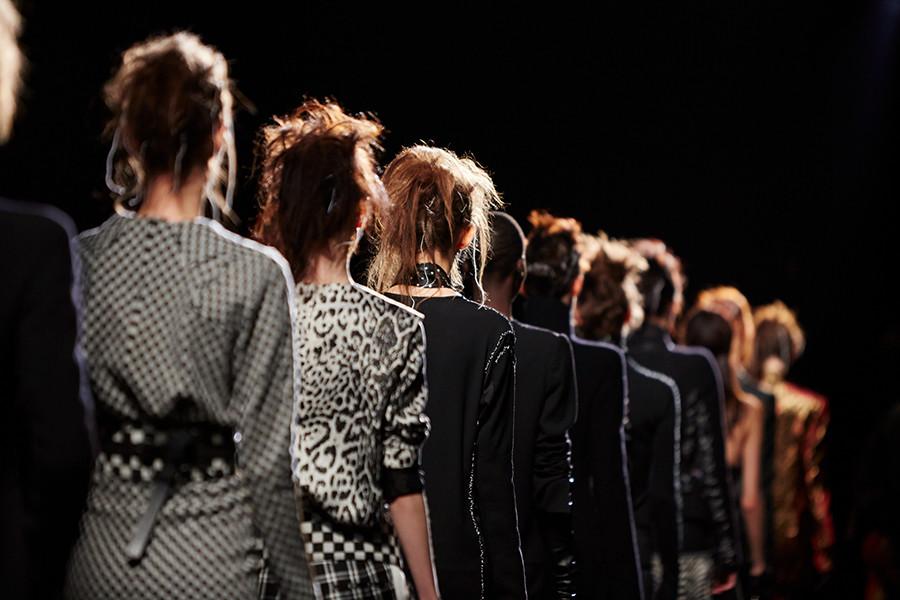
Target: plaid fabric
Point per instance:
(353, 580)
(353, 562)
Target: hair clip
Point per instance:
(332, 202)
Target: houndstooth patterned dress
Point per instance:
(186, 322)
(358, 434)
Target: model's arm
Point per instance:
(411, 526)
(405, 430)
(752, 505)
(265, 376)
(717, 488)
(665, 496)
(494, 492)
(818, 494)
(55, 458)
(553, 468)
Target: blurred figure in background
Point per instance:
(733, 306)
(554, 272)
(803, 534)
(604, 526)
(546, 405)
(47, 426)
(188, 344)
(744, 431)
(608, 307)
(709, 556)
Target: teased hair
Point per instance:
(663, 283)
(318, 177)
(168, 98)
(732, 305)
(11, 65)
(778, 333)
(610, 304)
(553, 255)
(712, 331)
(434, 195)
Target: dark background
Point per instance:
(757, 141)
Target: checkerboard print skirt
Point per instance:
(353, 563)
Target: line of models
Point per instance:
(269, 427)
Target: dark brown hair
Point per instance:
(507, 255)
(553, 255)
(317, 176)
(610, 295)
(168, 99)
(710, 330)
(663, 283)
(434, 195)
(778, 333)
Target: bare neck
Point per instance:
(327, 267)
(162, 201)
(499, 296)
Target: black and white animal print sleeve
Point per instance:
(405, 424)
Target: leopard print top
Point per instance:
(360, 411)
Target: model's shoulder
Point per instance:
(37, 222)
(380, 303)
(489, 319)
(213, 241)
(531, 335)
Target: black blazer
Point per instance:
(46, 445)
(546, 406)
(708, 506)
(604, 522)
(653, 435)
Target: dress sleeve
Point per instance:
(405, 424)
(716, 482)
(553, 448)
(819, 497)
(51, 408)
(493, 492)
(266, 376)
(664, 491)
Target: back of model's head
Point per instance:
(729, 302)
(11, 63)
(709, 330)
(507, 255)
(662, 284)
(435, 197)
(553, 255)
(778, 335)
(318, 179)
(169, 98)
(609, 304)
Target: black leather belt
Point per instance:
(165, 454)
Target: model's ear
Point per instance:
(468, 234)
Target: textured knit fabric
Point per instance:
(360, 429)
(187, 323)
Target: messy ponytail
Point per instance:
(435, 195)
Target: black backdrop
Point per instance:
(756, 141)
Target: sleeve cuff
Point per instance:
(401, 482)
